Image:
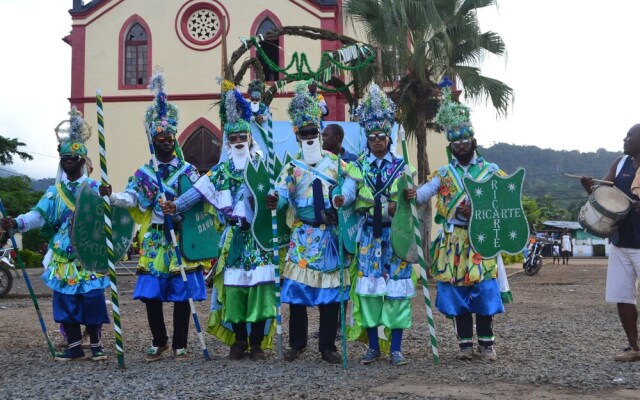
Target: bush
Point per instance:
(31, 258)
(512, 259)
(34, 240)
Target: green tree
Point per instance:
(9, 149)
(17, 195)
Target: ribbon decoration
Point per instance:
(27, 281)
(115, 303)
(421, 261)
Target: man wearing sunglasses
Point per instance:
(467, 283)
(311, 273)
(159, 280)
(246, 272)
(384, 286)
(78, 294)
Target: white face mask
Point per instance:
(312, 153)
(255, 106)
(240, 155)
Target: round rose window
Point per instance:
(199, 24)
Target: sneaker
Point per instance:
(155, 353)
(236, 352)
(98, 353)
(465, 353)
(628, 354)
(487, 353)
(293, 354)
(397, 358)
(180, 354)
(72, 354)
(332, 357)
(257, 354)
(371, 356)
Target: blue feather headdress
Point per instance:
(376, 112)
(162, 116)
(303, 109)
(235, 111)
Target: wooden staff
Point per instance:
(595, 180)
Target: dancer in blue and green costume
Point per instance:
(259, 110)
(311, 272)
(467, 283)
(244, 290)
(159, 278)
(78, 294)
(385, 283)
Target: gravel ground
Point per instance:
(556, 341)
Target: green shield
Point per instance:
(497, 223)
(257, 179)
(88, 236)
(403, 238)
(348, 223)
(199, 239)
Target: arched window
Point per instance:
(202, 149)
(270, 48)
(135, 60)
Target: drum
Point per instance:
(606, 206)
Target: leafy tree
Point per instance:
(16, 194)
(9, 149)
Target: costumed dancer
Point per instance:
(311, 272)
(244, 291)
(467, 283)
(78, 294)
(259, 110)
(385, 283)
(159, 279)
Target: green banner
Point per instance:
(88, 236)
(497, 223)
(403, 239)
(199, 239)
(257, 179)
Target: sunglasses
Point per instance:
(461, 143)
(379, 136)
(164, 140)
(238, 137)
(70, 158)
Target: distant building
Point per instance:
(584, 243)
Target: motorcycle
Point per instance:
(533, 262)
(7, 270)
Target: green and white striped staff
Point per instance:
(271, 165)
(421, 261)
(343, 325)
(115, 307)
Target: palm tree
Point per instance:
(419, 42)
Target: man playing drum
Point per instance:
(624, 257)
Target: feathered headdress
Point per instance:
(162, 116)
(72, 135)
(255, 89)
(235, 111)
(303, 109)
(376, 112)
(453, 116)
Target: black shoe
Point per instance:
(236, 352)
(332, 357)
(293, 354)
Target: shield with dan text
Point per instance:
(497, 223)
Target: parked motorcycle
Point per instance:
(533, 262)
(7, 269)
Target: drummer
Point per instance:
(624, 256)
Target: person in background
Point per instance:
(555, 251)
(567, 246)
(313, 90)
(332, 137)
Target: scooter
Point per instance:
(7, 270)
(533, 262)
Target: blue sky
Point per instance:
(572, 64)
